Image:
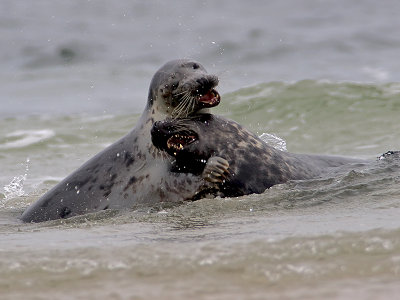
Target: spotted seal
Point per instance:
(132, 171)
(254, 166)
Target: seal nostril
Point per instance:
(202, 82)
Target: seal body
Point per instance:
(254, 166)
(132, 171)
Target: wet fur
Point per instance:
(254, 166)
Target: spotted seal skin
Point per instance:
(254, 166)
(132, 171)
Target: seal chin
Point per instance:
(210, 99)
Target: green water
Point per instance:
(333, 238)
(322, 117)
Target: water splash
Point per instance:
(16, 187)
(389, 154)
(274, 141)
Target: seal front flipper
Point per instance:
(215, 170)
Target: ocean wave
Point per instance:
(25, 138)
(306, 259)
(325, 117)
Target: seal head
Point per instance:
(183, 87)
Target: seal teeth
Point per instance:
(178, 141)
(175, 142)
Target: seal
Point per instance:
(132, 171)
(254, 166)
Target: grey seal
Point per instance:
(254, 166)
(132, 171)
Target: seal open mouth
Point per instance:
(210, 99)
(178, 141)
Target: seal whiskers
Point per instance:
(182, 109)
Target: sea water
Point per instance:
(312, 77)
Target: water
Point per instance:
(321, 76)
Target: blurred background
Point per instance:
(62, 57)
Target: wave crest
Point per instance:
(25, 138)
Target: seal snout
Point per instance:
(158, 135)
(201, 88)
(205, 85)
(205, 91)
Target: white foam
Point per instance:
(15, 188)
(24, 138)
(274, 141)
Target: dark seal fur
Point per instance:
(254, 166)
(132, 171)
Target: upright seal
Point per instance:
(132, 171)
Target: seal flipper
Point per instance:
(215, 170)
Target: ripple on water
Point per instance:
(25, 138)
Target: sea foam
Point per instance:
(24, 138)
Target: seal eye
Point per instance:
(195, 66)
